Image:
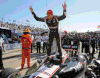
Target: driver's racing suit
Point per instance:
(26, 50)
(53, 32)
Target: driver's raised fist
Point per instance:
(31, 9)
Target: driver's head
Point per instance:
(49, 14)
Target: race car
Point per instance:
(72, 67)
(94, 69)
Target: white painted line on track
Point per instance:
(15, 53)
(31, 61)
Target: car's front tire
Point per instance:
(9, 73)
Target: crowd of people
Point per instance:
(38, 39)
(66, 39)
(14, 26)
(87, 40)
(17, 29)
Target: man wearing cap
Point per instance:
(82, 40)
(87, 44)
(65, 38)
(32, 37)
(93, 45)
(99, 46)
(26, 47)
(45, 41)
(96, 39)
(76, 42)
(52, 21)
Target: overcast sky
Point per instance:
(82, 15)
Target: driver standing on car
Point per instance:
(52, 22)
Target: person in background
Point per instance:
(36, 32)
(1, 45)
(87, 44)
(82, 40)
(76, 42)
(1, 25)
(53, 23)
(96, 39)
(99, 46)
(64, 39)
(4, 37)
(32, 37)
(38, 39)
(26, 48)
(45, 41)
(93, 45)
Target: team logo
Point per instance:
(49, 21)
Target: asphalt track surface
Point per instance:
(12, 58)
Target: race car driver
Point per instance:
(26, 47)
(52, 22)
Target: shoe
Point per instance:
(75, 55)
(22, 68)
(29, 66)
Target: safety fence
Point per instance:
(15, 46)
(12, 46)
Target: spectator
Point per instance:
(1, 25)
(99, 46)
(45, 41)
(36, 32)
(7, 26)
(4, 37)
(32, 37)
(1, 45)
(38, 39)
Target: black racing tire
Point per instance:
(7, 72)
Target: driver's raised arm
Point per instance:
(35, 16)
(64, 12)
(62, 16)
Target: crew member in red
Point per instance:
(26, 47)
(52, 21)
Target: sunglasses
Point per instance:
(26, 33)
